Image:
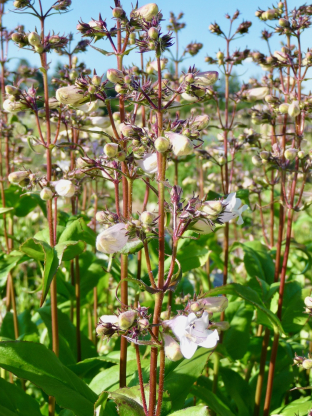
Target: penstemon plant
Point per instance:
(155, 221)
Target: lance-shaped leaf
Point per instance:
(8, 262)
(192, 411)
(14, 401)
(34, 362)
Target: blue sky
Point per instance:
(197, 15)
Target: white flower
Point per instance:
(147, 12)
(206, 78)
(109, 319)
(88, 107)
(63, 165)
(64, 187)
(113, 239)
(188, 97)
(148, 163)
(100, 121)
(193, 332)
(154, 64)
(13, 106)
(233, 209)
(202, 227)
(181, 145)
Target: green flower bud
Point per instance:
(126, 319)
(147, 217)
(13, 106)
(256, 160)
(153, 33)
(9, 89)
(162, 144)
(17, 177)
(121, 156)
(118, 13)
(301, 154)
(111, 149)
(294, 109)
(46, 194)
(146, 12)
(290, 154)
(265, 155)
(283, 108)
(115, 76)
(34, 39)
(71, 95)
(283, 22)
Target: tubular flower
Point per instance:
(172, 349)
(65, 188)
(233, 209)
(149, 163)
(113, 239)
(181, 145)
(193, 332)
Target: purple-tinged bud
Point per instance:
(46, 194)
(162, 144)
(121, 156)
(301, 154)
(111, 149)
(11, 106)
(143, 323)
(189, 78)
(115, 76)
(206, 78)
(126, 319)
(201, 122)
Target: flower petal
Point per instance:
(188, 347)
(210, 341)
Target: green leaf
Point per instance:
(214, 402)
(8, 262)
(293, 315)
(36, 363)
(179, 380)
(298, 407)
(236, 338)
(132, 247)
(250, 297)
(68, 332)
(257, 260)
(126, 406)
(192, 411)
(78, 230)
(102, 51)
(70, 249)
(41, 251)
(238, 389)
(15, 402)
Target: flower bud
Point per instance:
(307, 364)
(206, 78)
(181, 145)
(212, 208)
(111, 149)
(165, 315)
(257, 93)
(113, 239)
(65, 188)
(195, 307)
(290, 154)
(283, 108)
(308, 302)
(265, 155)
(146, 12)
(128, 130)
(17, 177)
(46, 194)
(34, 39)
(162, 144)
(121, 156)
(213, 304)
(172, 348)
(71, 95)
(220, 326)
(115, 76)
(143, 323)
(100, 217)
(147, 217)
(96, 80)
(9, 89)
(283, 22)
(201, 122)
(13, 106)
(126, 319)
(118, 13)
(149, 163)
(153, 33)
(294, 109)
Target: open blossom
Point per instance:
(149, 163)
(65, 188)
(193, 332)
(203, 227)
(113, 239)
(233, 209)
